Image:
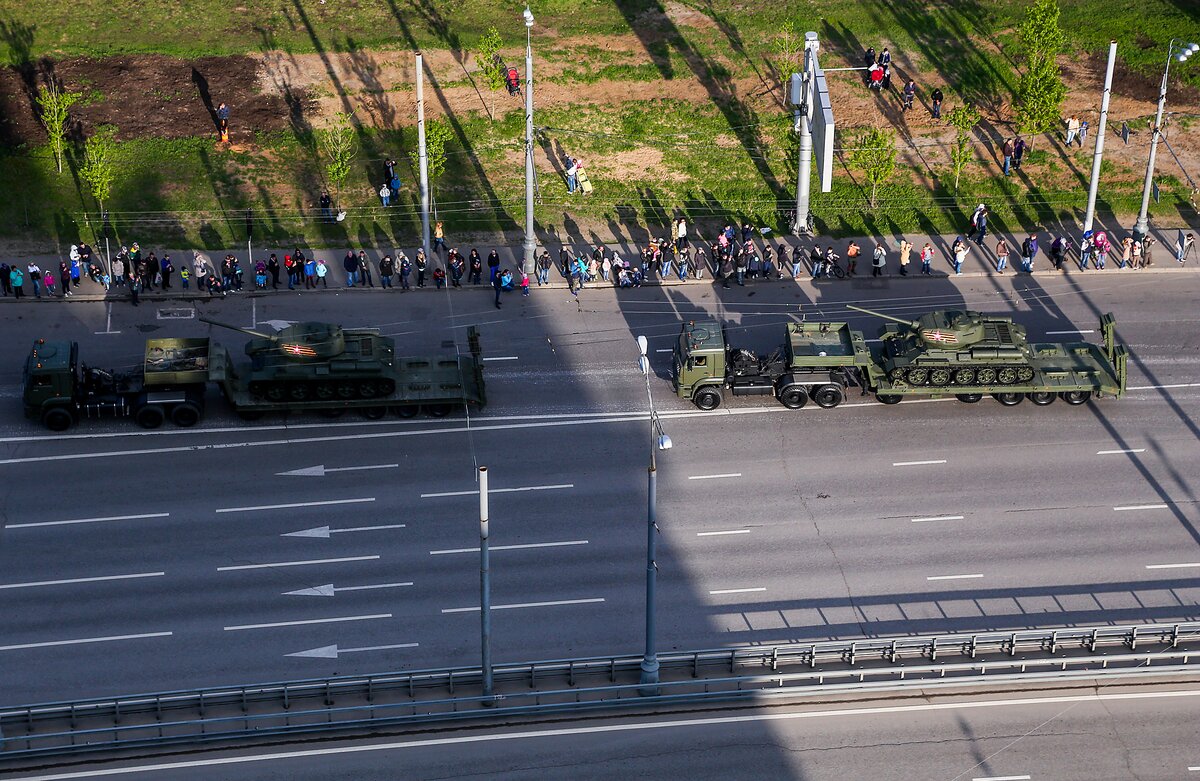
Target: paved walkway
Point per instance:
(980, 262)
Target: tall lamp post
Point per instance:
(1179, 53)
(530, 242)
(660, 441)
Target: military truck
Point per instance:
(947, 352)
(315, 367)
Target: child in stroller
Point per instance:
(512, 80)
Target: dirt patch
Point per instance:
(686, 16)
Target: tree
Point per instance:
(789, 53)
(963, 119)
(875, 154)
(1039, 31)
(437, 134)
(339, 143)
(54, 105)
(99, 158)
(487, 54)
(1040, 89)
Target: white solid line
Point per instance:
(667, 350)
(938, 518)
(501, 358)
(368, 528)
(295, 563)
(377, 585)
(736, 590)
(952, 577)
(86, 520)
(717, 534)
(510, 547)
(715, 477)
(309, 621)
(1158, 387)
(918, 463)
(1173, 566)
(1004, 778)
(592, 729)
(524, 604)
(83, 640)
(294, 504)
(378, 648)
(500, 490)
(1194, 768)
(362, 468)
(83, 580)
(1115, 452)
(1141, 507)
(1057, 333)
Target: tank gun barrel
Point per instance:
(878, 314)
(246, 331)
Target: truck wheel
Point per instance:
(828, 396)
(1042, 398)
(1009, 399)
(793, 397)
(437, 410)
(58, 419)
(707, 399)
(374, 413)
(968, 398)
(185, 415)
(150, 416)
(888, 398)
(1076, 397)
(408, 411)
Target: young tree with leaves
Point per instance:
(487, 53)
(55, 105)
(789, 53)
(339, 144)
(1040, 89)
(875, 153)
(99, 163)
(437, 135)
(963, 119)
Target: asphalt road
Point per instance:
(137, 561)
(1064, 737)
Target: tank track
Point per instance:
(962, 375)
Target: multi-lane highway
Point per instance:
(237, 552)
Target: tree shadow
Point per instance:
(375, 99)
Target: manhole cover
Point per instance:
(176, 314)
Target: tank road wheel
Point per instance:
(324, 391)
(344, 390)
(1009, 399)
(986, 377)
(150, 416)
(1076, 397)
(274, 391)
(185, 415)
(258, 388)
(367, 390)
(298, 391)
(964, 376)
(917, 376)
(897, 375)
(373, 413)
(828, 396)
(707, 399)
(1024, 374)
(793, 397)
(407, 411)
(969, 398)
(438, 410)
(386, 387)
(939, 377)
(58, 419)
(1006, 375)
(888, 398)
(1042, 398)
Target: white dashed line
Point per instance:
(1059, 333)
(525, 604)
(83, 580)
(1117, 452)
(501, 358)
(500, 490)
(1164, 387)
(86, 520)
(1005, 778)
(295, 563)
(54, 643)
(668, 350)
(954, 577)
(293, 505)
(715, 477)
(736, 590)
(718, 534)
(938, 518)
(1173, 566)
(510, 547)
(1141, 507)
(918, 463)
(308, 621)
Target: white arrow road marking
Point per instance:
(328, 590)
(324, 531)
(320, 470)
(296, 563)
(112, 638)
(308, 621)
(332, 651)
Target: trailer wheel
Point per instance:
(150, 416)
(828, 396)
(437, 410)
(794, 397)
(58, 419)
(185, 414)
(888, 398)
(707, 399)
(969, 398)
(1009, 399)
(1042, 398)
(409, 411)
(374, 413)
(1076, 397)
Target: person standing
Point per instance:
(852, 252)
(350, 265)
(439, 237)
(322, 273)
(457, 268)
(543, 268)
(879, 260)
(497, 286)
(422, 264)
(797, 261)
(475, 267)
(185, 276)
(1085, 250)
(1183, 246)
(1001, 255)
(816, 262)
(1148, 245)
(64, 278)
(906, 249)
(166, 268)
(572, 179)
(741, 264)
(869, 57)
(1072, 129)
(1029, 251)
(936, 99)
(960, 254)
(1126, 252)
(223, 121)
(16, 279)
(364, 268)
(135, 286)
(909, 95)
(1083, 129)
(273, 270)
(525, 284)
(199, 267)
(326, 207)
(1136, 255)
(385, 194)
(35, 277)
(405, 272)
(310, 274)
(1007, 149)
(1018, 152)
(927, 259)
(979, 225)
(493, 261)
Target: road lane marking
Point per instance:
(715, 477)
(953, 577)
(320, 470)
(87, 520)
(665, 350)
(329, 590)
(501, 358)
(332, 651)
(293, 505)
(1141, 507)
(1173, 566)
(737, 590)
(718, 534)
(938, 518)
(1163, 387)
(295, 563)
(323, 532)
(306, 622)
(83, 640)
(1059, 333)
(918, 463)
(96, 579)
(524, 604)
(593, 729)
(500, 490)
(1005, 778)
(510, 547)
(1116, 452)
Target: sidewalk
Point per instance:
(980, 262)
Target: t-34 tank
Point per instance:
(318, 362)
(955, 347)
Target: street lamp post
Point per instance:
(660, 441)
(485, 589)
(530, 242)
(1179, 53)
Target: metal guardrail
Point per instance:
(542, 688)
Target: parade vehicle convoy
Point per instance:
(316, 367)
(947, 352)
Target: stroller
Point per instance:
(512, 80)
